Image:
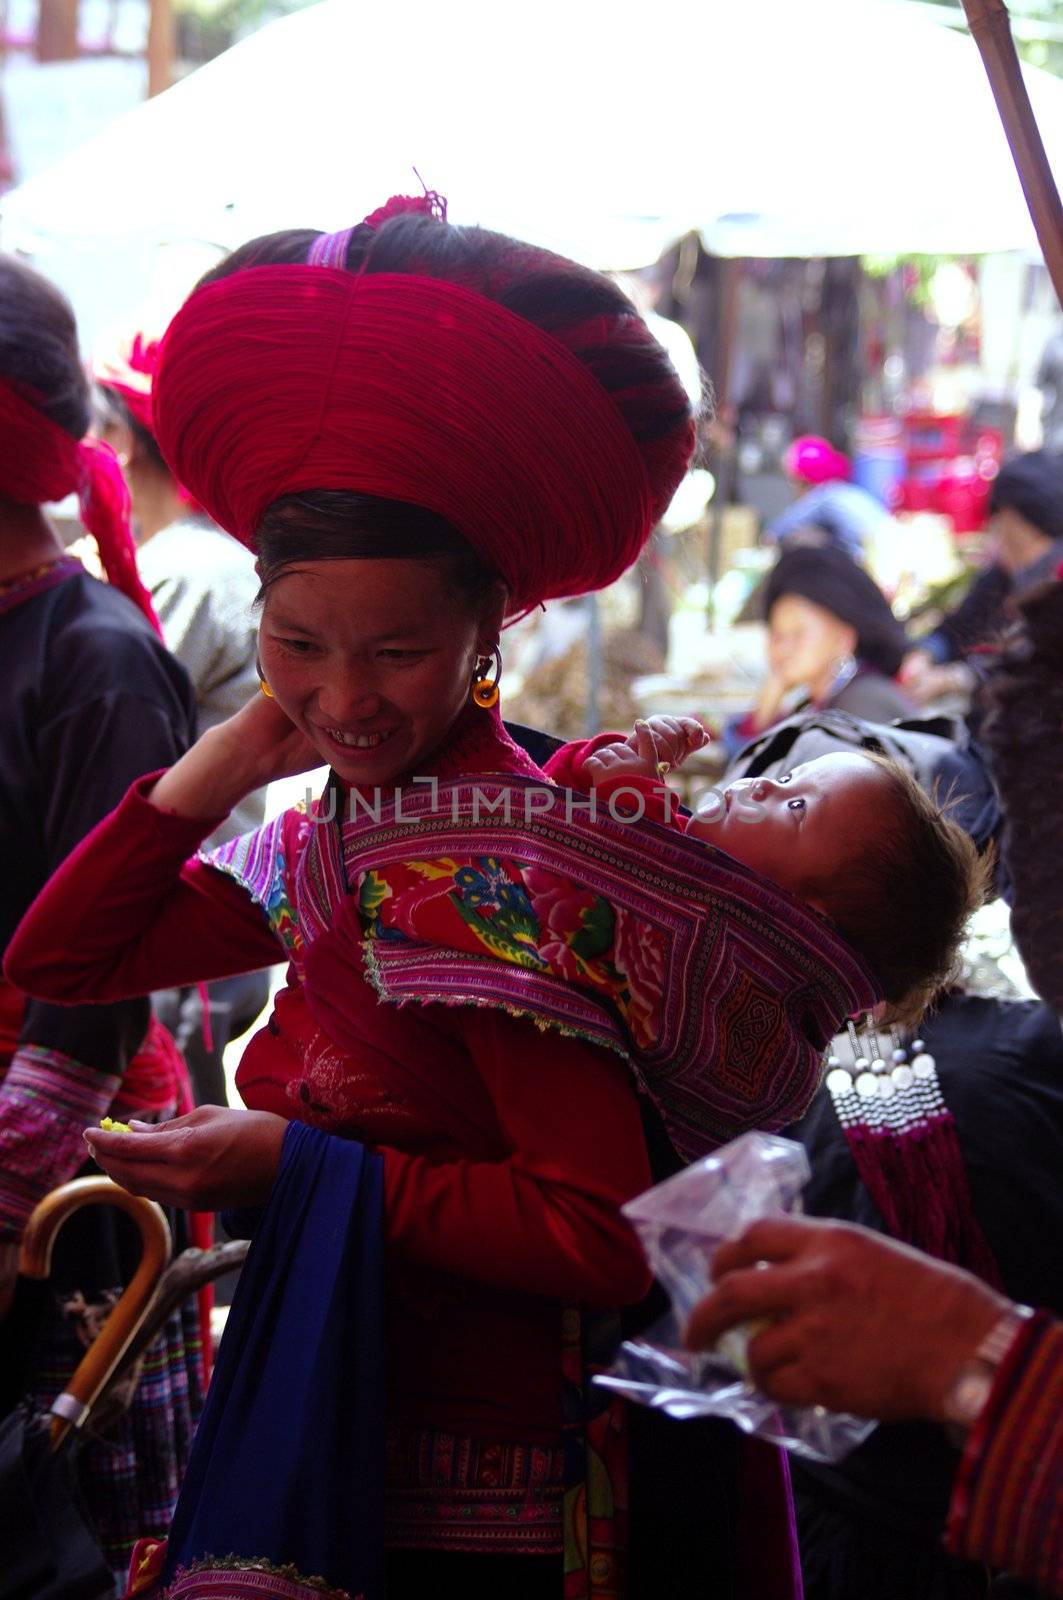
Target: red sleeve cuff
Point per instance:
(565, 766)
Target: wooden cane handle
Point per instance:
(71, 1408)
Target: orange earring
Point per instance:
(485, 689)
(266, 690)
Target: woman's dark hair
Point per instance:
(341, 525)
(582, 309)
(829, 578)
(39, 347)
(1032, 485)
(109, 407)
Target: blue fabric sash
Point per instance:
(288, 1462)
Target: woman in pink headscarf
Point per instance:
(841, 512)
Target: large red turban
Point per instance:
(281, 379)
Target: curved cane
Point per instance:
(72, 1407)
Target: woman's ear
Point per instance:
(849, 639)
(120, 438)
(491, 619)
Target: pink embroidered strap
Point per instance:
(330, 250)
(46, 1100)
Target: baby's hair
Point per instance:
(904, 901)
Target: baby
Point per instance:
(852, 834)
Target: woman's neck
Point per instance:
(156, 504)
(835, 676)
(27, 540)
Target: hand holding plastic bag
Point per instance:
(680, 1223)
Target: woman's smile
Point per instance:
(358, 741)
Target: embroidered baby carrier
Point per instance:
(720, 989)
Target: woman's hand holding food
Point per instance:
(213, 1159)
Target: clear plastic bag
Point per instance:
(680, 1223)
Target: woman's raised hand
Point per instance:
(259, 744)
(268, 737)
(212, 1159)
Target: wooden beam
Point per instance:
(991, 27)
(161, 40)
(57, 30)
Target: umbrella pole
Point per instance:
(990, 26)
(726, 464)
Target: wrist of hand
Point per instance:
(209, 780)
(971, 1384)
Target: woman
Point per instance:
(91, 699)
(833, 643)
(840, 513)
(420, 430)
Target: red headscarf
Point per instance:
(286, 378)
(129, 375)
(40, 463)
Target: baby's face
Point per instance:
(799, 828)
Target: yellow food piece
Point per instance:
(110, 1126)
(734, 1344)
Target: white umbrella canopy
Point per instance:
(773, 127)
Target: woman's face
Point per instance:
(372, 660)
(804, 641)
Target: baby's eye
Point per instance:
(796, 804)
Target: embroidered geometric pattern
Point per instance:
(46, 1100)
(448, 1493)
(257, 862)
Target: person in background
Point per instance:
(91, 701)
(832, 635)
(1025, 547)
(848, 516)
(1050, 382)
(962, 1164)
(1024, 741)
(203, 587)
(859, 1323)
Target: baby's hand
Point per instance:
(657, 745)
(614, 758)
(663, 743)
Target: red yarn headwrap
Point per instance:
(40, 463)
(283, 379)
